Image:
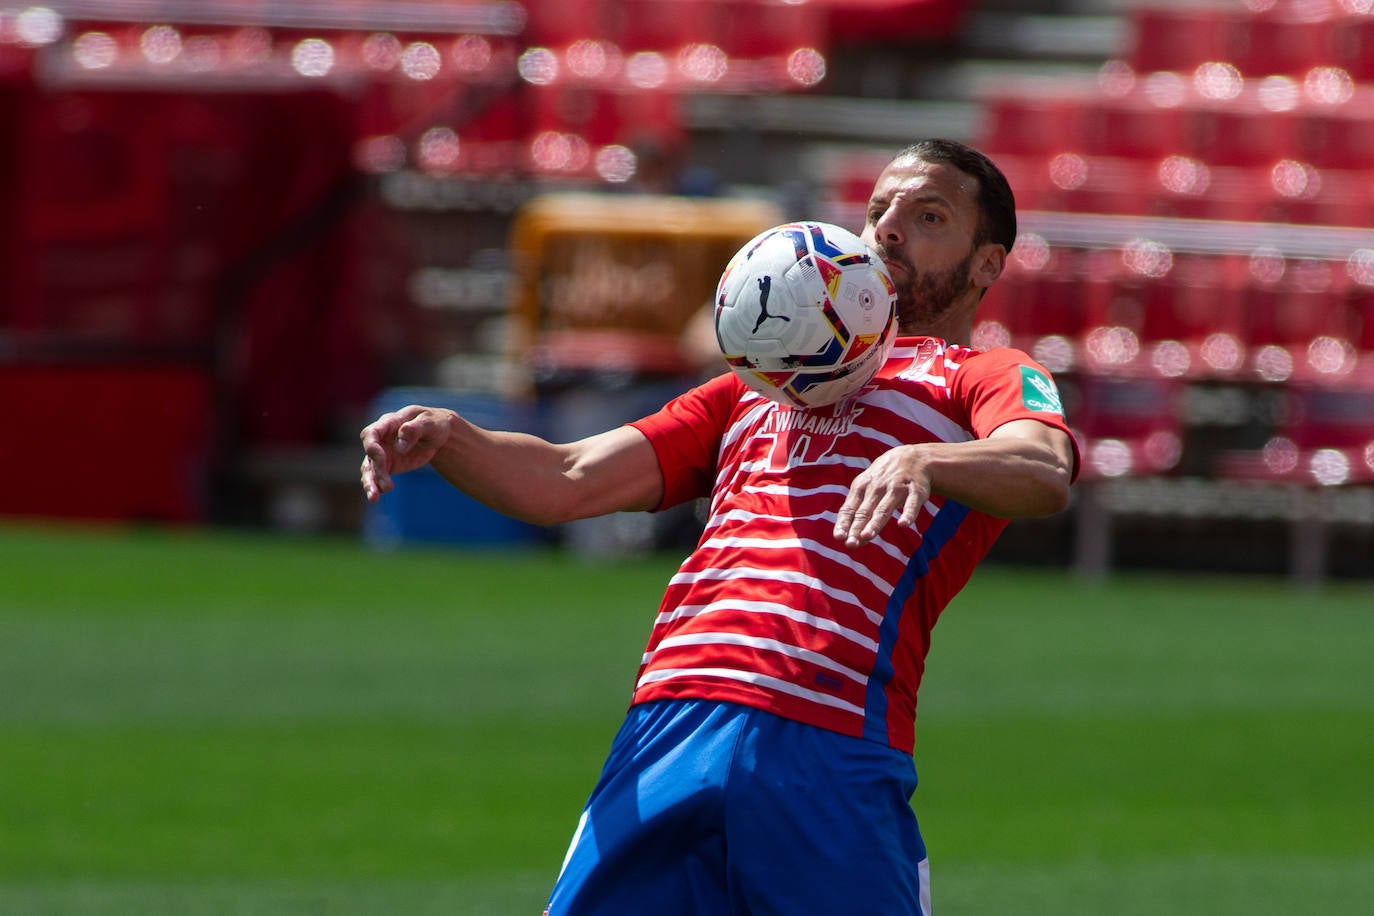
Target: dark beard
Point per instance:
(923, 298)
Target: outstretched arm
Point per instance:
(1022, 470)
(517, 474)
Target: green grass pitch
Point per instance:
(205, 723)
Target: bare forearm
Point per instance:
(1007, 477)
(534, 480)
(523, 476)
(514, 473)
(1022, 470)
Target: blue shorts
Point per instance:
(715, 808)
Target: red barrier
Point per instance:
(104, 441)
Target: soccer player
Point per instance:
(765, 763)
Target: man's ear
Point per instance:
(989, 260)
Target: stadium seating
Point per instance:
(1324, 436)
(1238, 113)
(1176, 37)
(1128, 425)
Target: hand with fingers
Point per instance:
(398, 442)
(897, 482)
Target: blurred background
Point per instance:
(233, 232)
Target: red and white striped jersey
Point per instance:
(772, 612)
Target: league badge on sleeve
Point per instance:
(1038, 392)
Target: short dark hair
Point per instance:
(996, 203)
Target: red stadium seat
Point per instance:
(1235, 131)
(1031, 125)
(1190, 189)
(1188, 322)
(1301, 326)
(1338, 135)
(1300, 193)
(1175, 37)
(1028, 177)
(761, 37)
(1353, 46)
(1360, 301)
(1324, 435)
(666, 26)
(1128, 425)
(859, 21)
(1040, 302)
(590, 118)
(558, 23)
(1132, 126)
(1096, 184)
(1286, 40)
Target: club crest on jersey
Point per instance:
(806, 436)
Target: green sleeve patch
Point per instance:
(1038, 392)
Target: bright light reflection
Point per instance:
(1331, 356)
(1055, 352)
(1162, 450)
(203, 53)
(1031, 251)
(160, 44)
(1147, 258)
(1360, 266)
(1182, 175)
(1170, 359)
(1279, 93)
(471, 54)
(538, 66)
(989, 335)
(439, 149)
(1165, 89)
(1116, 79)
(313, 57)
(1328, 86)
(1113, 346)
(552, 151)
(1280, 455)
(616, 164)
(1111, 458)
(379, 155)
(1222, 352)
(1068, 171)
(806, 66)
(381, 51)
(647, 70)
(1295, 179)
(38, 26)
(1218, 81)
(1267, 265)
(1274, 363)
(421, 61)
(1329, 467)
(95, 50)
(250, 47)
(703, 63)
(586, 59)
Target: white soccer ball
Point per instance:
(806, 314)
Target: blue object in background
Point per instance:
(423, 508)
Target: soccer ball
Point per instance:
(805, 314)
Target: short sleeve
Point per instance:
(686, 435)
(998, 386)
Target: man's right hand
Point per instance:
(401, 441)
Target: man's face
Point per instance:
(922, 218)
